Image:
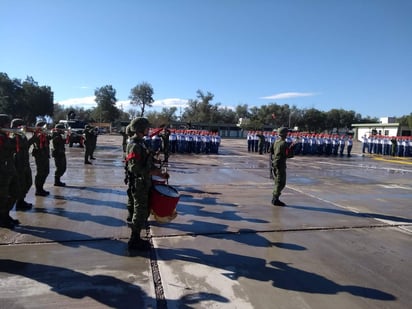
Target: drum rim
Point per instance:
(169, 186)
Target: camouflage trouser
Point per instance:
(130, 203)
(25, 180)
(9, 191)
(141, 209)
(61, 164)
(43, 170)
(280, 180)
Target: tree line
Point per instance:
(29, 101)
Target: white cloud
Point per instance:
(85, 102)
(289, 95)
(172, 102)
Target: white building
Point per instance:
(386, 127)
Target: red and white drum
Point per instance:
(163, 201)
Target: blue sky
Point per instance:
(323, 54)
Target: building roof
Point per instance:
(375, 125)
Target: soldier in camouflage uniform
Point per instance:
(279, 155)
(22, 162)
(88, 143)
(9, 184)
(164, 135)
(59, 154)
(139, 164)
(129, 179)
(41, 153)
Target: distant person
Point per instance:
(22, 162)
(165, 137)
(349, 146)
(394, 146)
(279, 152)
(88, 143)
(95, 133)
(341, 145)
(124, 137)
(9, 184)
(59, 154)
(365, 144)
(261, 142)
(41, 153)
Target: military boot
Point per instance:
(41, 192)
(136, 243)
(277, 202)
(58, 183)
(22, 205)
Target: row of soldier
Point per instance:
(303, 143)
(169, 141)
(16, 175)
(400, 146)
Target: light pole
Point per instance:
(290, 116)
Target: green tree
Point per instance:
(11, 93)
(348, 118)
(106, 110)
(242, 111)
(142, 95)
(405, 120)
(37, 101)
(25, 100)
(201, 109)
(314, 120)
(163, 118)
(61, 113)
(333, 119)
(226, 115)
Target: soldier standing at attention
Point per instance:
(88, 143)
(95, 132)
(22, 162)
(279, 156)
(261, 142)
(349, 145)
(341, 145)
(140, 165)
(59, 154)
(41, 153)
(124, 138)
(9, 184)
(164, 135)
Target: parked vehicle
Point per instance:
(75, 130)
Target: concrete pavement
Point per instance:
(343, 241)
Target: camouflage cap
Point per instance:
(140, 124)
(283, 131)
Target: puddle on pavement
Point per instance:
(301, 180)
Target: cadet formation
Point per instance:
(331, 144)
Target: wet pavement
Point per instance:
(343, 241)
